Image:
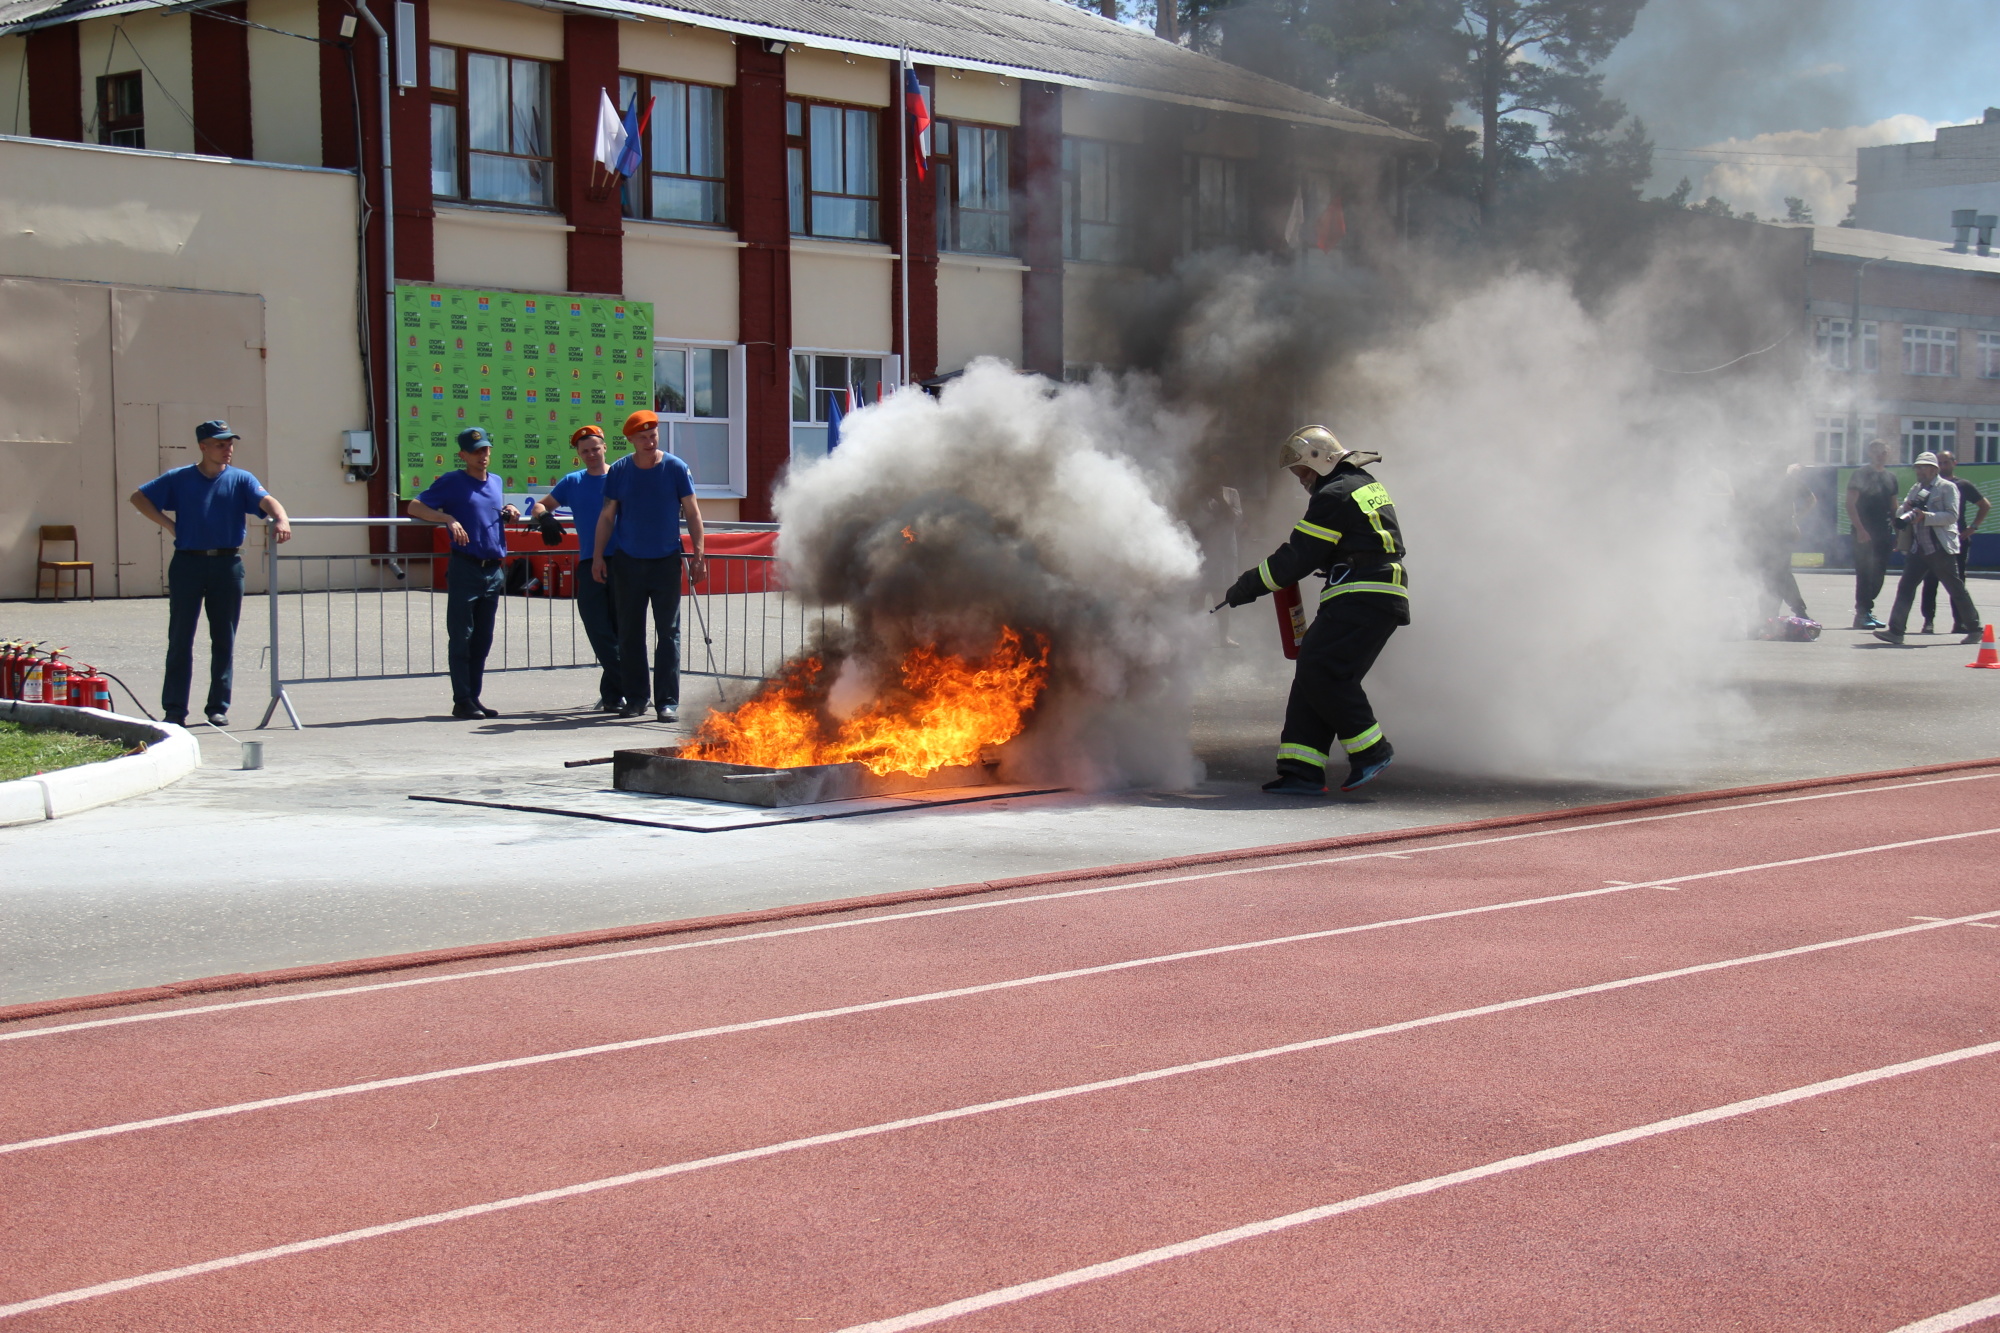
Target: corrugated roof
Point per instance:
(1042, 39)
(1851, 242)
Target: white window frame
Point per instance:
(1929, 433)
(1830, 444)
(1831, 343)
(738, 486)
(1987, 348)
(1986, 441)
(1930, 351)
(892, 377)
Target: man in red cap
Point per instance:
(646, 494)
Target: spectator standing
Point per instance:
(646, 494)
(1931, 510)
(582, 493)
(1871, 496)
(469, 503)
(210, 501)
(1973, 507)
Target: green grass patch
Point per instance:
(26, 751)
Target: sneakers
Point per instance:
(1977, 636)
(667, 713)
(1291, 784)
(1365, 766)
(1868, 621)
(1889, 636)
(1930, 627)
(218, 718)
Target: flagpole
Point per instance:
(903, 206)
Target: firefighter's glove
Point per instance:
(1245, 590)
(550, 527)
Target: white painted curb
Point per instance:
(170, 755)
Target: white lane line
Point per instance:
(929, 997)
(938, 1314)
(931, 1118)
(848, 923)
(1950, 1319)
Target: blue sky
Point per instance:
(1803, 81)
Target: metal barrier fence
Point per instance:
(381, 615)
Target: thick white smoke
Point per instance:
(1013, 501)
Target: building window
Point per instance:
(1830, 440)
(974, 204)
(1986, 441)
(1098, 213)
(121, 111)
(1215, 210)
(1989, 356)
(820, 379)
(1928, 351)
(831, 166)
(696, 393)
(680, 176)
(490, 138)
(1932, 434)
(1834, 343)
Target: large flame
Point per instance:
(942, 711)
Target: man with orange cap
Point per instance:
(582, 493)
(646, 495)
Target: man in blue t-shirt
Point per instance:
(209, 501)
(582, 493)
(469, 502)
(646, 494)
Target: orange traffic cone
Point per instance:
(1989, 656)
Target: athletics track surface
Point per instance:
(1725, 1065)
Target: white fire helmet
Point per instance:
(1316, 448)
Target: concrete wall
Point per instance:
(143, 220)
(14, 85)
(689, 273)
(489, 26)
(833, 77)
(117, 46)
(840, 295)
(1925, 212)
(979, 309)
(476, 247)
(284, 125)
(676, 51)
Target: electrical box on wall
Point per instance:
(357, 453)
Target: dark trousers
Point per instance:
(472, 598)
(1871, 566)
(1929, 600)
(635, 585)
(595, 608)
(1942, 566)
(1774, 571)
(1328, 708)
(198, 583)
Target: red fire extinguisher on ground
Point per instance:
(55, 681)
(89, 688)
(10, 681)
(1291, 619)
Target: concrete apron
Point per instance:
(169, 753)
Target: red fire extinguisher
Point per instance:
(566, 579)
(55, 680)
(1291, 619)
(88, 688)
(31, 684)
(10, 657)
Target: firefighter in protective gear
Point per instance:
(1350, 535)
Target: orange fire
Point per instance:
(942, 711)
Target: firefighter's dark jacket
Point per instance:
(1349, 533)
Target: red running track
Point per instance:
(1728, 1065)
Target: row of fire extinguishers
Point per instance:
(36, 677)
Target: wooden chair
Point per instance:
(55, 568)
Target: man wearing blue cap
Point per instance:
(209, 501)
(469, 503)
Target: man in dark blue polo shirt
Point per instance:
(469, 502)
(582, 493)
(209, 501)
(646, 494)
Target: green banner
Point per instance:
(1986, 476)
(529, 367)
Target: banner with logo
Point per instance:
(529, 368)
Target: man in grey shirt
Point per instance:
(1931, 510)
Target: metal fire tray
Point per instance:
(662, 773)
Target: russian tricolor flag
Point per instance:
(920, 122)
